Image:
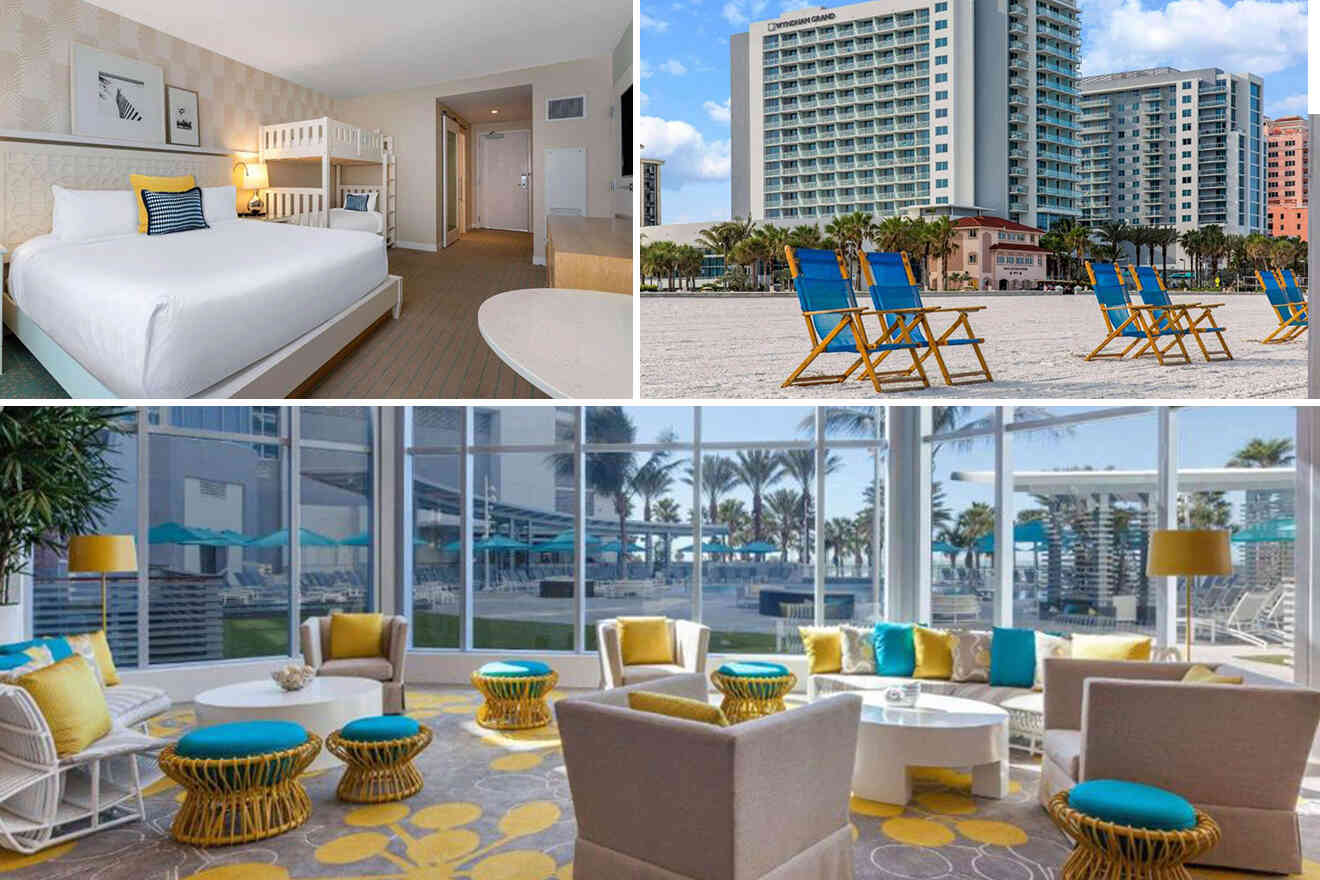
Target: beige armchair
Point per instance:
(690, 641)
(387, 668)
(659, 798)
(1237, 752)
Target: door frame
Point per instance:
(460, 175)
(480, 178)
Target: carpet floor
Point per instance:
(497, 807)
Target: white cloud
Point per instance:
(644, 99)
(688, 155)
(646, 71)
(673, 67)
(654, 24)
(740, 12)
(720, 112)
(1256, 36)
(1293, 105)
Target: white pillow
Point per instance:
(89, 214)
(219, 204)
(1048, 646)
(371, 201)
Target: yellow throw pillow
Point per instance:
(1093, 647)
(824, 647)
(139, 182)
(677, 707)
(355, 635)
(72, 702)
(934, 653)
(95, 644)
(645, 640)
(1199, 674)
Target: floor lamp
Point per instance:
(102, 554)
(1188, 553)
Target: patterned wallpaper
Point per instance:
(34, 72)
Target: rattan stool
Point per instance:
(753, 689)
(378, 770)
(1107, 851)
(514, 692)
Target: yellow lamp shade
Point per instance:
(255, 176)
(1188, 552)
(102, 553)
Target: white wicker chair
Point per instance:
(46, 800)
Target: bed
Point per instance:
(244, 308)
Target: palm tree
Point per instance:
(1261, 453)
(724, 237)
(718, 478)
(1112, 234)
(975, 522)
(806, 235)
(1078, 239)
(894, 234)
(690, 260)
(784, 507)
(758, 469)
(849, 231)
(800, 464)
(942, 233)
(1192, 243)
(1214, 245)
(668, 511)
(1166, 237)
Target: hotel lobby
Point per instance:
(719, 643)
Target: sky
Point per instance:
(685, 71)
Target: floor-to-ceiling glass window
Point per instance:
(962, 516)
(1237, 471)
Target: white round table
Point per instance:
(568, 343)
(327, 704)
(938, 732)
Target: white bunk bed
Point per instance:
(335, 145)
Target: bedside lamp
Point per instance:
(1188, 553)
(102, 553)
(256, 179)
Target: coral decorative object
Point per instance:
(294, 676)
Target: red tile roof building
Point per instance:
(998, 254)
(1286, 167)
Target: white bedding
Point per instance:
(170, 315)
(367, 221)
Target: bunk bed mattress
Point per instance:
(170, 315)
(366, 221)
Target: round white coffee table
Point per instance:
(327, 704)
(568, 343)
(938, 732)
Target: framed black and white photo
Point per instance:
(116, 97)
(183, 124)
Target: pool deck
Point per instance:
(744, 347)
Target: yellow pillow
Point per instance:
(1199, 674)
(934, 653)
(1093, 647)
(355, 635)
(645, 640)
(100, 649)
(139, 182)
(72, 702)
(824, 647)
(677, 707)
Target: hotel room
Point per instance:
(369, 204)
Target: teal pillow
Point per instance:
(753, 669)
(1132, 804)
(514, 669)
(380, 728)
(895, 649)
(59, 648)
(1013, 657)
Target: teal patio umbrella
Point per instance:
(280, 538)
(942, 547)
(1283, 528)
(174, 533)
(615, 547)
(760, 547)
(499, 542)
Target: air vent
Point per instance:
(213, 489)
(566, 108)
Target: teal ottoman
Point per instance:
(752, 688)
(379, 753)
(514, 692)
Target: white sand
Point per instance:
(1035, 346)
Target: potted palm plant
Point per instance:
(56, 481)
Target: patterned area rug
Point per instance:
(497, 807)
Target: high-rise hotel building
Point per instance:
(1288, 163)
(897, 106)
(1167, 147)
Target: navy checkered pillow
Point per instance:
(355, 202)
(174, 211)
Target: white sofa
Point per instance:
(823, 683)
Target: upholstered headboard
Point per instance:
(28, 169)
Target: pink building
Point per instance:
(997, 254)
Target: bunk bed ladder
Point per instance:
(389, 185)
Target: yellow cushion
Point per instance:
(677, 707)
(96, 644)
(72, 702)
(934, 653)
(139, 182)
(1093, 647)
(355, 635)
(1199, 674)
(645, 640)
(824, 647)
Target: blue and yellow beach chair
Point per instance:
(897, 299)
(1137, 323)
(1295, 295)
(834, 323)
(1196, 318)
(1292, 316)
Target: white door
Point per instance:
(506, 175)
(454, 174)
